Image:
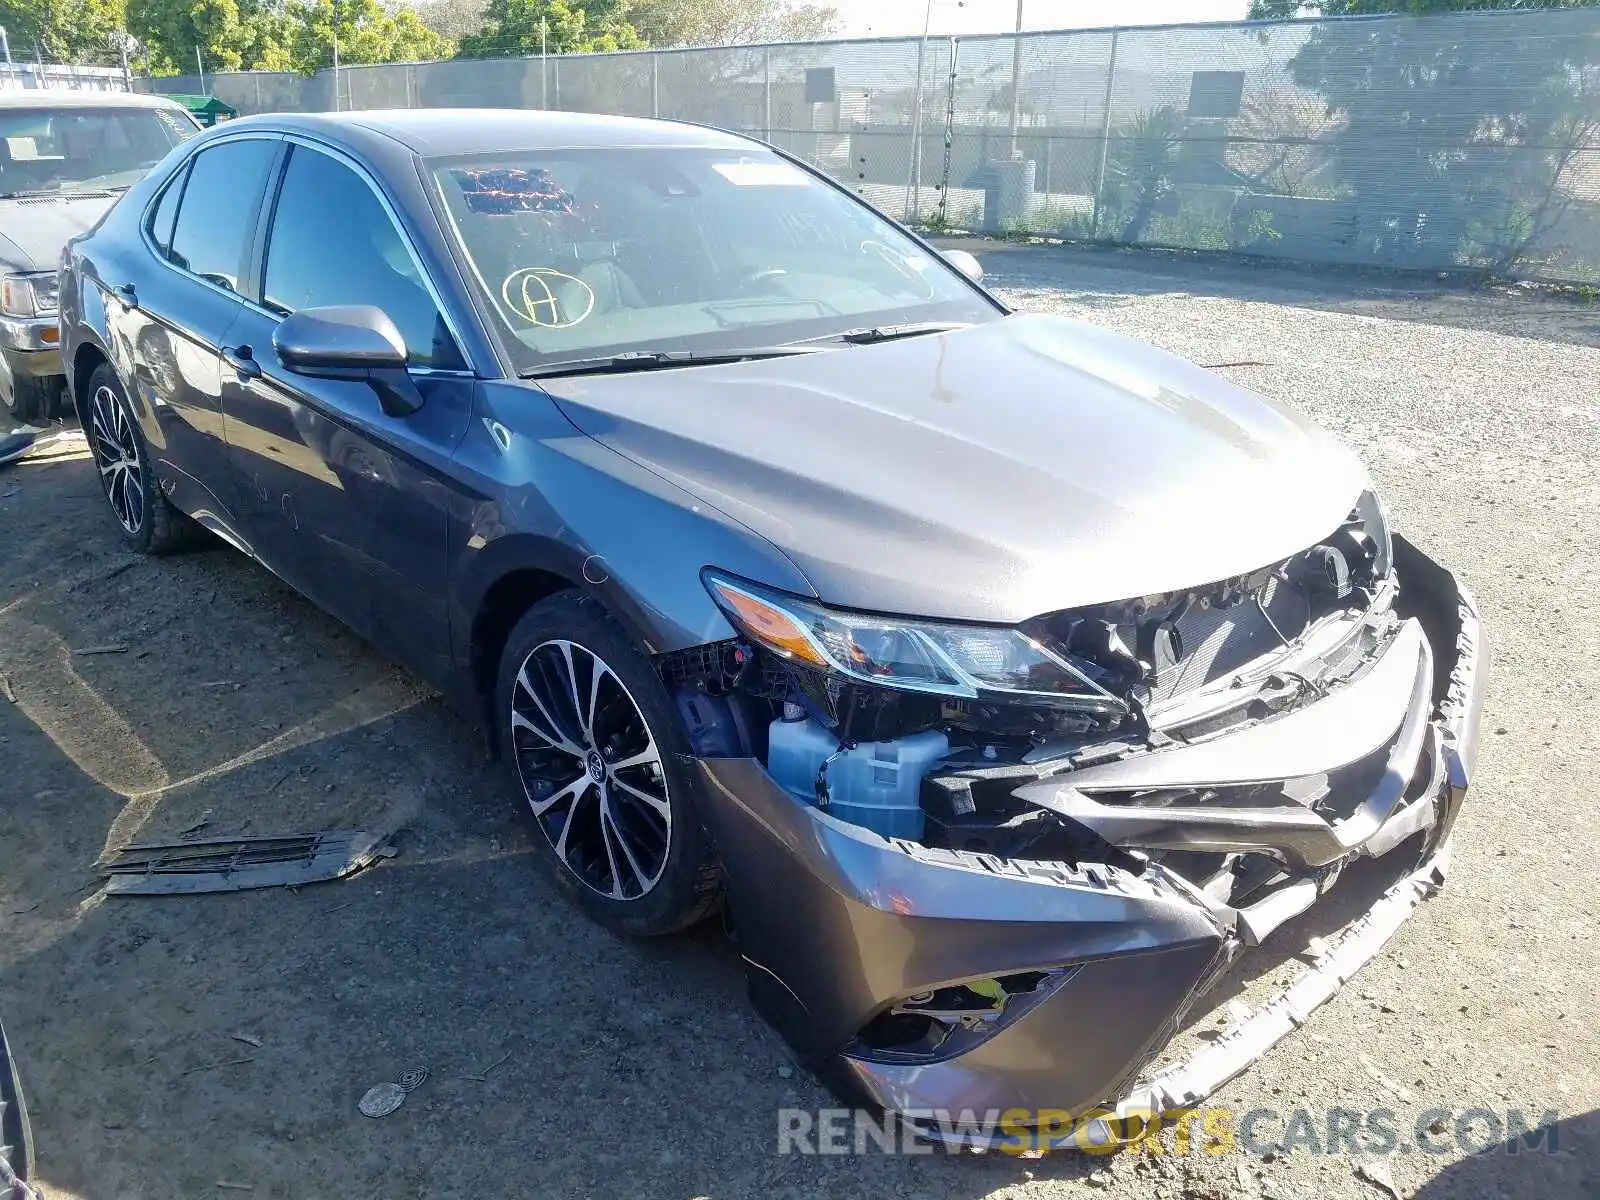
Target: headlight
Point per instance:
(31, 295)
(1375, 523)
(968, 661)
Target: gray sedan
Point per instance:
(1005, 678)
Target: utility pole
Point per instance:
(122, 38)
(1016, 82)
(338, 104)
(914, 208)
(199, 65)
(544, 66)
(5, 44)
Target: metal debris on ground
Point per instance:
(1378, 1176)
(247, 1039)
(198, 824)
(5, 686)
(14, 446)
(229, 1186)
(211, 1066)
(102, 650)
(238, 864)
(483, 1075)
(381, 1100)
(411, 1080)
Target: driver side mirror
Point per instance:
(966, 263)
(350, 341)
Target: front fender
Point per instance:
(539, 494)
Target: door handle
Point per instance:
(242, 359)
(127, 294)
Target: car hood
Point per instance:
(994, 473)
(33, 229)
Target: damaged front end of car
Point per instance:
(975, 868)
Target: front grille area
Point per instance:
(1213, 642)
(1159, 648)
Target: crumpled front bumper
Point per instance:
(837, 924)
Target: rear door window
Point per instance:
(217, 215)
(165, 210)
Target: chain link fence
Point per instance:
(1445, 142)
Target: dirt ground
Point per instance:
(566, 1063)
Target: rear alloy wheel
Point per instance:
(588, 731)
(149, 522)
(117, 454)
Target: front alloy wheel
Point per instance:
(600, 757)
(591, 770)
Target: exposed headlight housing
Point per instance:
(1375, 523)
(31, 295)
(964, 661)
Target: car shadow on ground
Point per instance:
(1557, 1160)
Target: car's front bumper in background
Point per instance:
(31, 345)
(839, 926)
(32, 335)
(29, 349)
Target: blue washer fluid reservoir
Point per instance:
(877, 785)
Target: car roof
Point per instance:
(440, 131)
(80, 98)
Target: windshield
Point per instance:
(84, 149)
(611, 251)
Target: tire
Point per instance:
(33, 398)
(147, 520)
(650, 869)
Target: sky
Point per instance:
(894, 18)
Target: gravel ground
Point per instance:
(565, 1063)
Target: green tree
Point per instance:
(516, 27)
(1454, 135)
(731, 22)
(63, 30)
(453, 19)
(1139, 167)
(278, 35)
(172, 30)
(365, 32)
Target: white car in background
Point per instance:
(65, 157)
